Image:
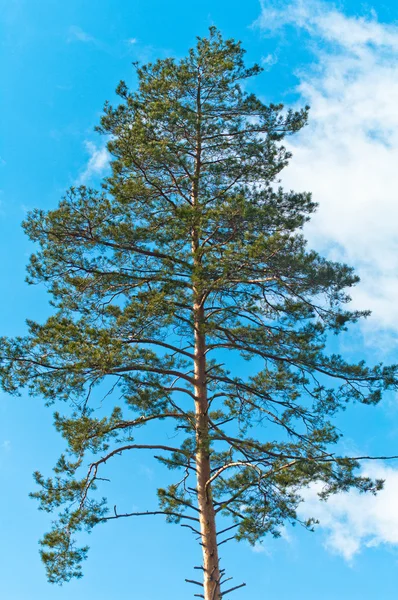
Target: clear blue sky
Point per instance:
(59, 62)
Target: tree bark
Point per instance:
(211, 568)
(207, 517)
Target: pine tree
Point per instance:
(189, 257)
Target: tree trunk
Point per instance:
(207, 517)
(211, 568)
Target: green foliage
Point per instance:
(195, 158)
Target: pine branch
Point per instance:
(159, 343)
(149, 513)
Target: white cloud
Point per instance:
(324, 19)
(352, 520)
(348, 154)
(97, 164)
(77, 34)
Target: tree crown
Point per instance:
(191, 235)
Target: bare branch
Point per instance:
(193, 581)
(233, 589)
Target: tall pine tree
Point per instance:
(189, 257)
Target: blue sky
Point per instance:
(59, 63)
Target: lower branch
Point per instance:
(148, 513)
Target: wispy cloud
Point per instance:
(6, 445)
(263, 547)
(77, 34)
(353, 521)
(260, 548)
(147, 472)
(347, 156)
(268, 61)
(98, 162)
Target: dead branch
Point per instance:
(233, 589)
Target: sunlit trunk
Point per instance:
(211, 568)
